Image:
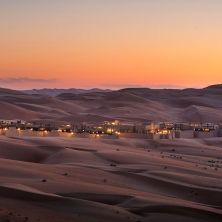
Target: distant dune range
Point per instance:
(131, 104)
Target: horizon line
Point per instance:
(114, 88)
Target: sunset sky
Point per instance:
(110, 43)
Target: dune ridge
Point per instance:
(85, 179)
(130, 104)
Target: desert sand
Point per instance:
(132, 104)
(56, 179)
(106, 180)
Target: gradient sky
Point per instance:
(110, 43)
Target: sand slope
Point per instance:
(135, 105)
(80, 179)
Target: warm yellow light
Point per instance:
(109, 130)
(164, 132)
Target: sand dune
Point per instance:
(80, 179)
(133, 104)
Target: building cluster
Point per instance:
(149, 130)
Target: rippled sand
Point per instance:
(80, 179)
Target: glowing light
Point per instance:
(117, 133)
(109, 131)
(164, 132)
(206, 130)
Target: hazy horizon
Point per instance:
(110, 88)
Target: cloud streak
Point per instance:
(13, 80)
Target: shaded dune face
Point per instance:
(62, 179)
(139, 104)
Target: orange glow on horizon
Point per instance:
(185, 51)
